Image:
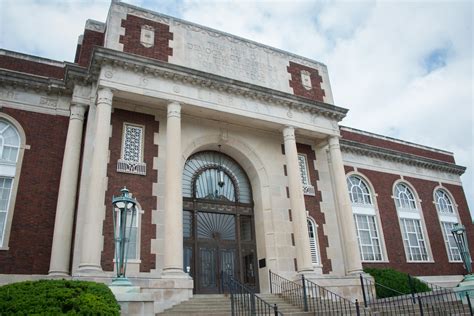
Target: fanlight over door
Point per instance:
(218, 225)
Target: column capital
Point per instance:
(174, 109)
(289, 133)
(104, 95)
(77, 111)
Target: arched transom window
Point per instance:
(358, 191)
(365, 219)
(411, 224)
(447, 218)
(212, 175)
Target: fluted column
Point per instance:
(63, 225)
(173, 256)
(344, 209)
(298, 208)
(95, 209)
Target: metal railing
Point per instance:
(436, 301)
(244, 301)
(311, 297)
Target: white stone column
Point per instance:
(63, 225)
(298, 208)
(344, 208)
(95, 209)
(173, 256)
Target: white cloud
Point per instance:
(378, 54)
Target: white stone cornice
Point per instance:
(393, 155)
(180, 74)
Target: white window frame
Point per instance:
(12, 170)
(314, 242)
(308, 189)
(132, 166)
(408, 208)
(366, 209)
(447, 218)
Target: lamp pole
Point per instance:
(459, 234)
(124, 213)
(467, 284)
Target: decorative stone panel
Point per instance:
(146, 38)
(306, 82)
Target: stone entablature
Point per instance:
(216, 52)
(152, 78)
(401, 157)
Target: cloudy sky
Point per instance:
(403, 68)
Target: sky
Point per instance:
(403, 68)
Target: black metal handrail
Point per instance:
(244, 301)
(311, 297)
(437, 301)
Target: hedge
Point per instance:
(57, 297)
(395, 280)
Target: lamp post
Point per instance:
(124, 212)
(465, 289)
(459, 234)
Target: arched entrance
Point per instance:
(218, 222)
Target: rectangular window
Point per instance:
(368, 237)
(413, 240)
(131, 160)
(308, 189)
(132, 244)
(453, 251)
(5, 192)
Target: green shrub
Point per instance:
(57, 297)
(393, 279)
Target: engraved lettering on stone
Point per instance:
(176, 89)
(8, 94)
(147, 36)
(306, 79)
(289, 113)
(234, 60)
(48, 101)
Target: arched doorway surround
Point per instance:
(218, 222)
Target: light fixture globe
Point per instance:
(124, 212)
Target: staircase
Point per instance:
(202, 305)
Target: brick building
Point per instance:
(235, 153)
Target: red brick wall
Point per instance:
(35, 209)
(314, 208)
(316, 93)
(365, 139)
(31, 67)
(383, 185)
(91, 39)
(140, 186)
(131, 40)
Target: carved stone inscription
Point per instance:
(232, 61)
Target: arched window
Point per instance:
(367, 228)
(411, 223)
(11, 152)
(447, 218)
(313, 241)
(212, 175)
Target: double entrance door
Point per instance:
(215, 243)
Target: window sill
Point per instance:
(429, 261)
(375, 261)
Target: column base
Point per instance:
(174, 273)
(54, 273)
(90, 270)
